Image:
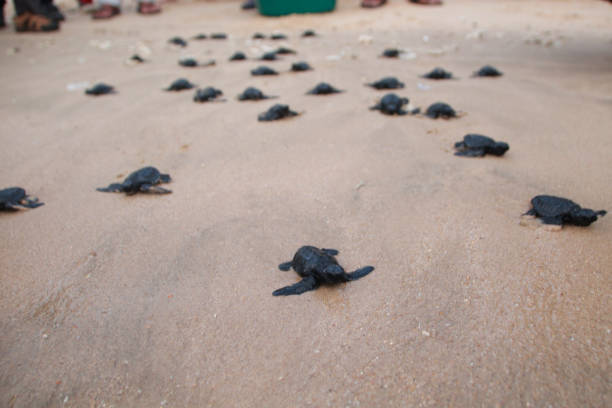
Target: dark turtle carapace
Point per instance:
(200, 36)
(16, 196)
(269, 56)
(391, 53)
(253, 94)
(300, 66)
(238, 56)
(192, 63)
(278, 36)
(474, 145)
(100, 89)
(488, 71)
(309, 33)
(559, 211)
(276, 112)
(180, 84)
(284, 51)
(387, 83)
(218, 36)
(438, 73)
(207, 94)
(137, 58)
(323, 88)
(263, 71)
(440, 110)
(391, 104)
(178, 41)
(316, 267)
(258, 36)
(145, 180)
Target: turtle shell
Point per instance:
(551, 206)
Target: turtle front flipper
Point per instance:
(285, 266)
(30, 202)
(471, 153)
(329, 251)
(305, 285)
(8, 208)
(360, 273)
(149, 188)
(112, 188)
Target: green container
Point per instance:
(283, 7)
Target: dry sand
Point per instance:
(107, 300)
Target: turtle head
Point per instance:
(500, 148)
(585, 216)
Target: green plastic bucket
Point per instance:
(283, 7)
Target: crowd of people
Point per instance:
(43, 15)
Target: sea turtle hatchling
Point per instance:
(438, 73)
(238, 56)
(440, 110)
(100, 89)
(263, 71)
(391, 104)
(269, 56)
(559, 211)
(180, 84)
(323, 88)
(300, 66)
(284, 51)
(387, 83)
(16, 196)
(488, 71)
(278, 36)
(145, 180)
(207, 94)
(309, 33)
(178, 41)
(200, 36)
(192, 63)
(258, 36)
(253, 94)
(218, 36)
(474, 145)
(391, 53)
(316, 267)
(276, 112)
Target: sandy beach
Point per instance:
(166, 301)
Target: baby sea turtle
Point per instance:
(387, 83)
(16, 196)
(309, 33)
(323, 89)
(100, 89)
(137, 58)
(218, 36)
(178, 41)
(438, 73)
(391, 104)
(474, 145)
(192, 63)
(559, 211)
(238, 56)
(316, 267)
(263, 71)
(269, 56)
(440, 110)
(258, 36)
(284, 51)
(276, 112)
(200, 36)
(207, 94)
(253, 94)
(391, 53)
(180, 84)
(278, 36)
(145, 180)
(300, 66)
(487, 71)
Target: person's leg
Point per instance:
(2, 22)
(107, 9)
(148, 7)
(30, 17)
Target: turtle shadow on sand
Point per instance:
(317, 267)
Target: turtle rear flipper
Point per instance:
(552, 220)
(112, 188)
(285, 266)
(149, 188)
(30, 202)
(307, 284)
(7, 207)
(360, 273)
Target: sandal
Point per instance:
(372, 3)
(34, 22)
(148, 8)
(105, 12)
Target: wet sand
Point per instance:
(108, 300)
